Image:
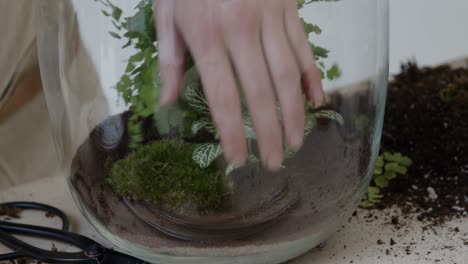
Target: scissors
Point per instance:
(91, 251)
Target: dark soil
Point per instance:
(10, 212)
(427, 120)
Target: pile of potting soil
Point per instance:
(427, 120)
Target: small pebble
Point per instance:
(432, 193)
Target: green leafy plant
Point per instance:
(205, 154)
(139, 86)
(164, 173)
(387, 167)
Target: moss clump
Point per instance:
(164, 173)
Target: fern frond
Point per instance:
(329, 114)
(310, 123)
(248, 127)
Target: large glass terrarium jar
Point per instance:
(153, 180)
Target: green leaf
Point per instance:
(378, 171)
(128, 44)
(405, 161)
(373, 190)
(196, 100)
(118, 27)
(373, 195)
(381, 182)
(248, 128)
(116, 13)
(310, 123)
(387, 167)
(205, 154)
(300, 3)
(204, 123)
(329, 114)
(124, 88)
(390, 175)
(398, 158)
(395, 167)
(380, 162)
(311, 28)
(391, 166)
(230, 168)
(401, 170)
(366, 204)
(137, 57)
(138, 25)
(322, 74)
(334, 73)
(319, 52)
(376, 199)
(130, 67)
(115, 35)
(105, 13)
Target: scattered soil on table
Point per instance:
(427, 119)
(10, 212)
(18, 261)
(50, 215)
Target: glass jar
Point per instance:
(153, 181)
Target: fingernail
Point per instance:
(318, 96)
(296, 141)
(238, 160)
(274, 162)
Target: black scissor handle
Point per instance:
(91, 250)
(41, 207)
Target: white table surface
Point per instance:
(356, 242)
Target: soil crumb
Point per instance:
(10, 212)
(427, 120)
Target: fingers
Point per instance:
(271, 54)
(299, 42)
(213, 64)
(285, 73)
(172, 52)
(242, 37)
(223, 99)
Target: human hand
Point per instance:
(264, 42)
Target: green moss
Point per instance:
(163, 172)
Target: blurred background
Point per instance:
(431, 31)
